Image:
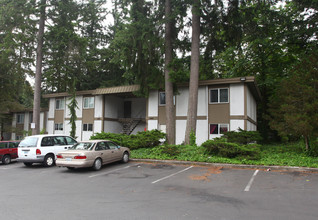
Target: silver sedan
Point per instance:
(94, 153)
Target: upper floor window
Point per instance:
(219, 95)
(162, 98)
(59, 104)
(20, 118)
(88, 102)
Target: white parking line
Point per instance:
(100, 174)
(172, 174)
(247, 188)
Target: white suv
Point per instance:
(43, 148)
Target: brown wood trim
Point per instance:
(185, 117)
(151, 118)
(237, 117)
(251, 120)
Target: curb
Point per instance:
(230, 166)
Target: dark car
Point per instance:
(8, 151)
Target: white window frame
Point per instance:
(88, 102)
(58, 127)
(219, 95)
(87, 127)
(219, 128)
(20, 118)
(161, 104)
(61, 104)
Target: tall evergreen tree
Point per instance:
(194, 74)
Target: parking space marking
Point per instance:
(166, 177)
(247, 188)
(111, 171)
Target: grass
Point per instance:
(273, 154)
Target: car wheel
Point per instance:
(97, 164)
(125, 158)
(6, 159)
(48, 160)
(27, 164)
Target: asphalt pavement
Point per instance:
(158, 190)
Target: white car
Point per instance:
(43, 148)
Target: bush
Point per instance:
(232, 150)
(142, 139)
(313, 150)
(242, 137)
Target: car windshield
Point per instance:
(29, 142)
(83, 146)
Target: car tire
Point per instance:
(49, 160)
(27, 164)
(6, 159)
(125, 158)
(97, 164)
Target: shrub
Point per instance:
(171, 150)
(142, 139)
(242, 136)
(232, 150)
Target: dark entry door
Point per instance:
(127, 109)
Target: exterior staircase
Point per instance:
(129, 124)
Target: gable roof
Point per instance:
(249, 80)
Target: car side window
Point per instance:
(70, 141)
(59, 141)
(12, 145)
(101, 146)
(46, 141)
(112, 145)
(3, 145)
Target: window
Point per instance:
(58, 127)
(87, 127)
(101, 146)
(89, 102)
(218, 128)
(59, 104)
(70, 141)
(219, 95)
(59, 141)
(112, 146)
(20, 118)
(162, 98)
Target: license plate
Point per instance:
(68, 159)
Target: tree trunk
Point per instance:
(38, 72)
(170, 109)
(194, 72)
(306, 142)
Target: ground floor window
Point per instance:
(58, 127)
(87, 127)
(218, 128)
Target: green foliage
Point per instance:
(72, 107)
(293, 108)
(232, 150)
(192, 138)
(242, 136)
(274, 154)
(143, 139)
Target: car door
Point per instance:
(102, 151)
(13, 150)
(115, 152)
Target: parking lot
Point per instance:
(139, 190)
